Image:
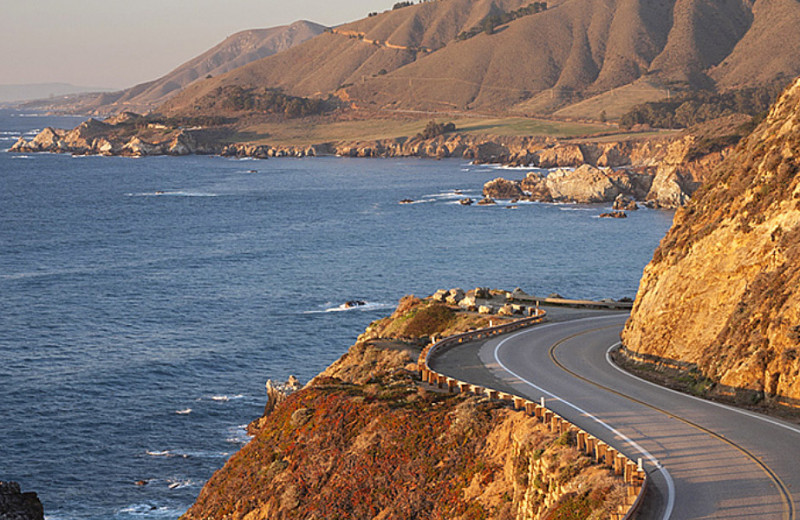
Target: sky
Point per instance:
(119, 43)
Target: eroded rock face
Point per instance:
(502, 189)
(16, 505)
(585, 184)
(720, 294)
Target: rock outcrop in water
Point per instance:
(16, 505)
(365, 440)
(719, 303)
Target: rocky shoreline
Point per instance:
(661, 171)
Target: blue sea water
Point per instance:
(145, 302)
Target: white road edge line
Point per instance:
(712, 403)
(628, 440)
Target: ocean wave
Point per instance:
(225, 398)
(574, 208)
(238, 435)
(185, 411)
(35, 131)
(178, 484)
(166, 454)
(445, 196)
(348, 306)
(149, 511)
(171, 194)
(21, 157)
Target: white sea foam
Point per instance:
(164, 453)
(185, 411)
(22, 157)
(238, 435)
(367, 306)
(149, 511)
(178, 484)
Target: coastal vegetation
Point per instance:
(492, 21)
(694, 107)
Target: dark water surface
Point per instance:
(144, 302)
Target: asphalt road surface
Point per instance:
(705, 460)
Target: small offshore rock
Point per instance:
(407, 201)
(466, 202)
(15, 505)
(623, 202)
(614, 214)
(486, 202)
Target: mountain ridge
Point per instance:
(535, 63)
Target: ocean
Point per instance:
(145, 302)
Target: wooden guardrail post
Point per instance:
(530, 408)
(599, 451)
(548, 416)
(581, 441)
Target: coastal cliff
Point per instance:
(365, 440)
(718, 305)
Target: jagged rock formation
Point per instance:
(363, 440)
(16, 505)
(719, 301)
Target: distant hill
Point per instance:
(235, 51)
(628, 51)
(17, 93)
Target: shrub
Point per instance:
(434, 129)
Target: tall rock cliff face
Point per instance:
(720, 298)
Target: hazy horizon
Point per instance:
(115, 44)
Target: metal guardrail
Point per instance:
(623, 467)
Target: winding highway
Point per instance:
(704, 459)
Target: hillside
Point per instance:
(718, 305)
(416, 57)
(366, 440)
(235, 51)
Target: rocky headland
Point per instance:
(364, 439)
(718, 310)
(660, 173)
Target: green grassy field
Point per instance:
(303, 132)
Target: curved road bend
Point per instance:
(705, 460)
